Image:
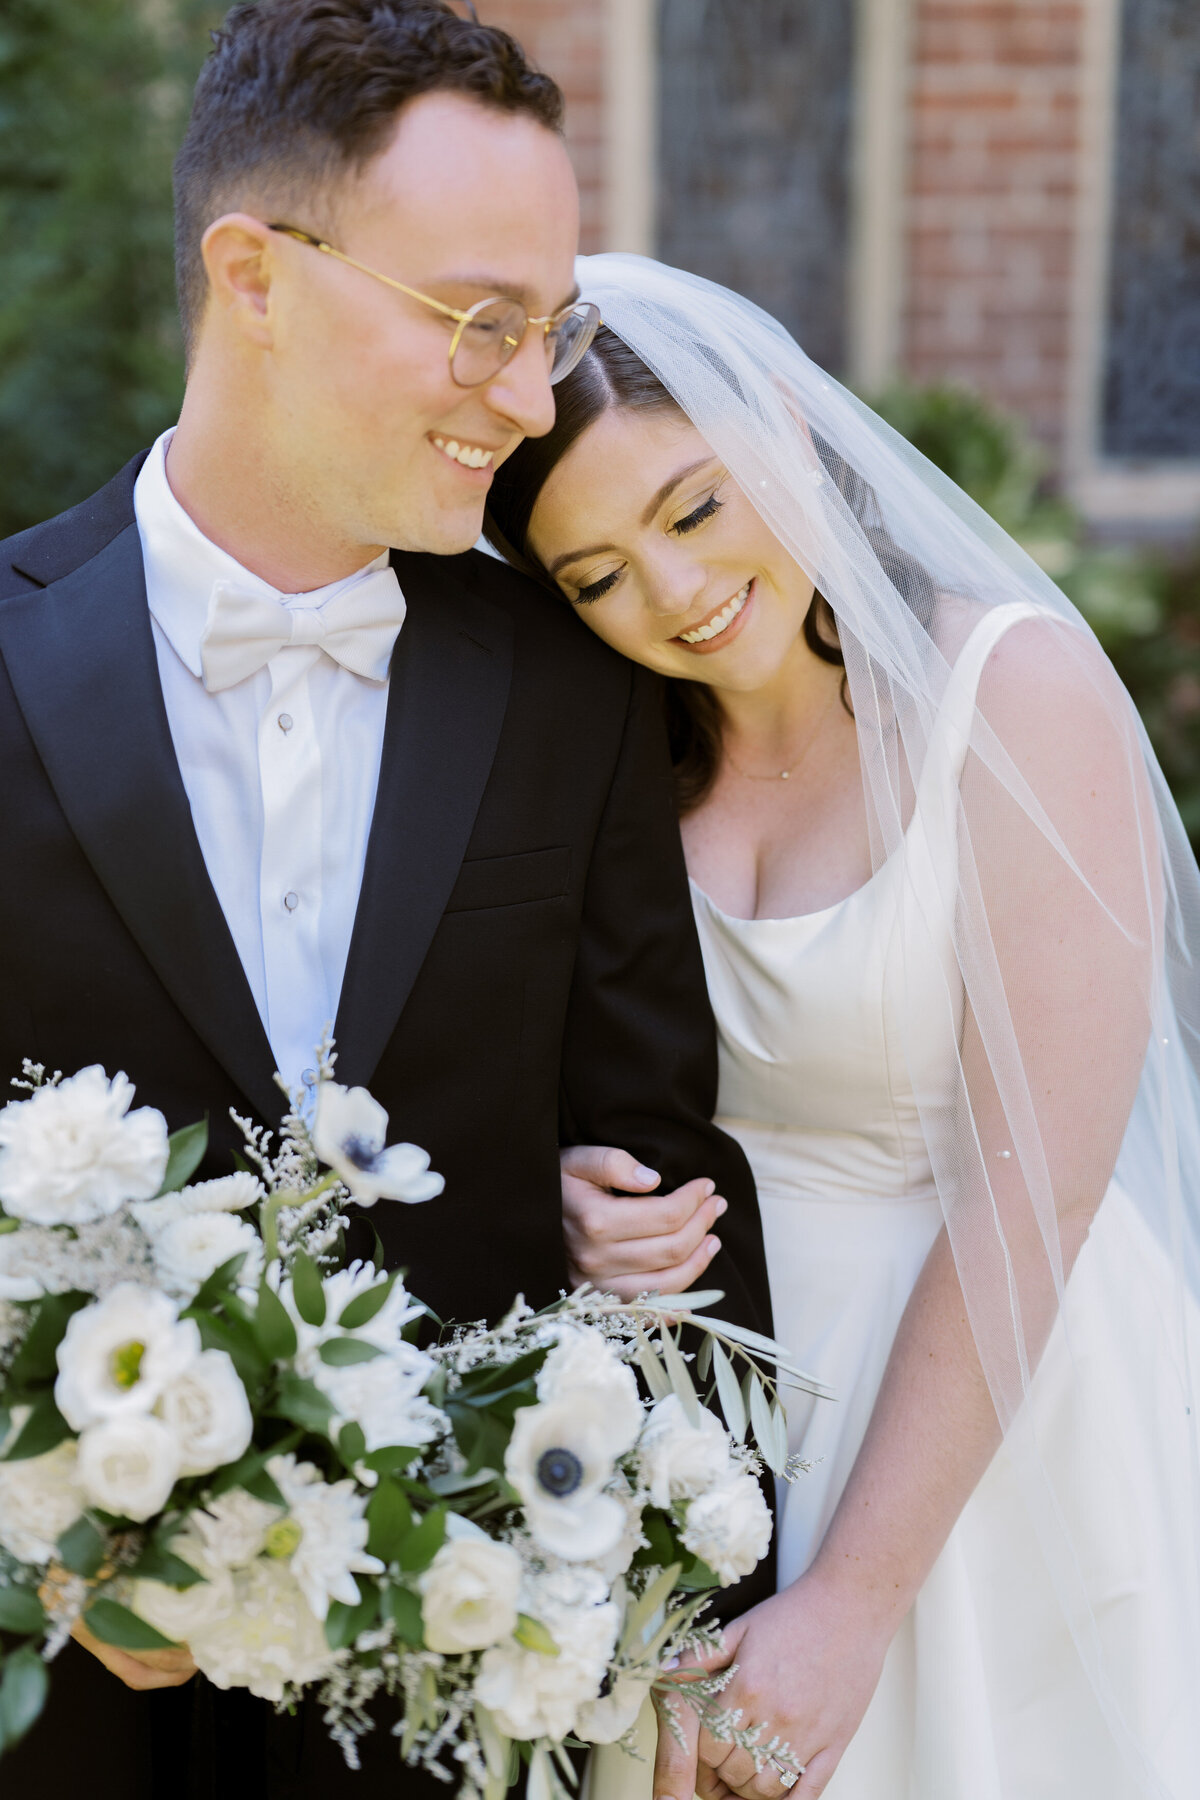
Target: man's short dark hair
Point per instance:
(300, 93)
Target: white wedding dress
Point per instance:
(983, 1695)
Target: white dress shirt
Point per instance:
(280, 769)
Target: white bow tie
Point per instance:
(357, 627)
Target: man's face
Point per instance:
(466, 203)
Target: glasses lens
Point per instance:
(567, 341)
(488, 340)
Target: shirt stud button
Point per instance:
(309, 1078)
(285, 722)
(291, 900)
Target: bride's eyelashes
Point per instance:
(596, 590)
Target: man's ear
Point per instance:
(240, 257)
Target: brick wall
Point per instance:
(567, 39)
(994, 135)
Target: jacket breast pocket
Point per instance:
(511, 880)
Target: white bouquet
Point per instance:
(213, 1434)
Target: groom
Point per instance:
(279, 748)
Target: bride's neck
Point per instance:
(773, 719)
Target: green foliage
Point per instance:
(93, 99)
(1144, 606)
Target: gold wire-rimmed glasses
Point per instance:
(490, 333)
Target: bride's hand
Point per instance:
(629, 1246)
(808, 1661)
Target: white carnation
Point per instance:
(74, 1152)
(324, 1534)
(583, 1359)
(267, 1638)
(469, 1595)
(128, 1466)
(190, 1248)
(729, 1528)
(532, 1695)
(118, 1355)
(228, 1193)
(21, 1276)
(39, 1498)
(678, 1460)
(560, 1460)
(207, 1412)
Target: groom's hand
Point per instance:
(140, 1669)
(628, 1246)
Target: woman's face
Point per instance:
(665, 558)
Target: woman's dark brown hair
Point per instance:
(612, 377)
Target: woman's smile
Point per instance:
(721, 625)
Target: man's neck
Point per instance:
(231, 487)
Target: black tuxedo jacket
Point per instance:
(524, 971)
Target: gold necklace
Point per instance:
(783, 774)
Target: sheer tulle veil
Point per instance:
(1068, 1003)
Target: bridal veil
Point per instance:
(1067, 936)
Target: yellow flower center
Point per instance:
(127, 1363)
(283, 1537)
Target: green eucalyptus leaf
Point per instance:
(389, 1521)
(303, 1403)
(681, 1380)
(352, 1444)
(307, 1290)
(273, 1326)
(185, 1153)
(419, 1546)
(341, 1352)
(157, 1564)
(81, 1548)
(115, 1624)
(21, 1611)
(24, 1685)
(363, 1308)
(764, 1430)
(404, 1609)
(729, 1394)
(389, 1458)
(344, 1623)
(43, 1430)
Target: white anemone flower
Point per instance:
(207, 1412)
(350, 1132)
(191, 1248)
(74, 1152)
(128, 1466)
(323, 1535)
(560, 1458)
(118, 1355)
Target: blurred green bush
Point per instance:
(1143, 605)
(93, 98)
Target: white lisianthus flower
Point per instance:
(39, 1498)
(187, 1251)
(207, 1412)
(267, 1638)
(74, 1152)
(227, 1194)
(118, 1355)
(323, 1535)
(584, 1358)
(531, 1694)
(233, 1528)
(349, 1133)
(128, 1466)
(560, 1459)
(183, 1613)
(469, 1595)
(729, 1527)
(606, 1720)
(678, 1460)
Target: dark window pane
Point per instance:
(1152, 386)
(754, 155)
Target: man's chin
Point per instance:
(444, 534)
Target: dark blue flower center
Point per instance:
(560, 1472)
(358, 1151)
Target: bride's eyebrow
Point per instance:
(664, 493)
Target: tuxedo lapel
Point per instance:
(80, 654)
(449, 691)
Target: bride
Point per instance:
(950, 921)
